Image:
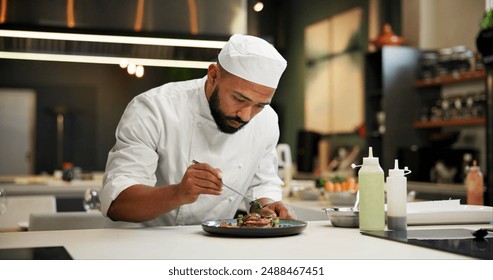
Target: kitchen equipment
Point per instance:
(396, 190)
(344, 216)
(372, 193)
(481, 233)
(91, 201)
(36, 253)
(285, 162)
(454, 240)
(474, 185)
(447, 212)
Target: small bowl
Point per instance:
(343, 216)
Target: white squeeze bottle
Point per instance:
(371, 194)
(397, 198)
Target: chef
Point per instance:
(178, 143)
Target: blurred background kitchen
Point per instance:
(402, 76)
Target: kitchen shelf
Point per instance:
(455, 122)
(389, 75)
(451, 79)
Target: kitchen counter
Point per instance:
(320, 240)
(69, 195)
(58, 188)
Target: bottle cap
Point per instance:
(474, 166)
(398, 172)
(68, 165)
(370, 160)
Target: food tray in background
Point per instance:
(447, 212)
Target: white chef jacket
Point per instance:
(164, 129)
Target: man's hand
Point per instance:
(200, 178)
(278, 209)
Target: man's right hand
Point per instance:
(200, 178)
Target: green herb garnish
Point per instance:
(255, 206)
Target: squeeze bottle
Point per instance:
(475, 185)
(397, 198)
(371, 194)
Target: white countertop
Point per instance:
(320, 240)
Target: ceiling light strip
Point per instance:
(105, 60)
(113, 39)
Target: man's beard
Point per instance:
(220, 118)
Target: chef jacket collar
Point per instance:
(204, 110)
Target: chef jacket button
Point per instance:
(240, 166)
(230, 198)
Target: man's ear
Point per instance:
(212, 73)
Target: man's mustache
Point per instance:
(236, 119)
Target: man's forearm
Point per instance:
(140, 203)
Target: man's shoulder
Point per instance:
(266, 122)
(177, 88)
(170, 92)
(268, 115)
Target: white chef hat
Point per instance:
(252, 59)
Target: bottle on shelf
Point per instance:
(396, 189)
(68, 172)
(475, 185)
(371, 194)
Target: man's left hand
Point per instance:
(278, 209)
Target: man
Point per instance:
(222, 121)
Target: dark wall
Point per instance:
(77, 107)
(95, 96)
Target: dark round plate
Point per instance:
(287, 227)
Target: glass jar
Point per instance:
(428, 65)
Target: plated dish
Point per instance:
(286, 228)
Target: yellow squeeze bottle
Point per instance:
(371, 195)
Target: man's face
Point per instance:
(220, 117)
(234, 101)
